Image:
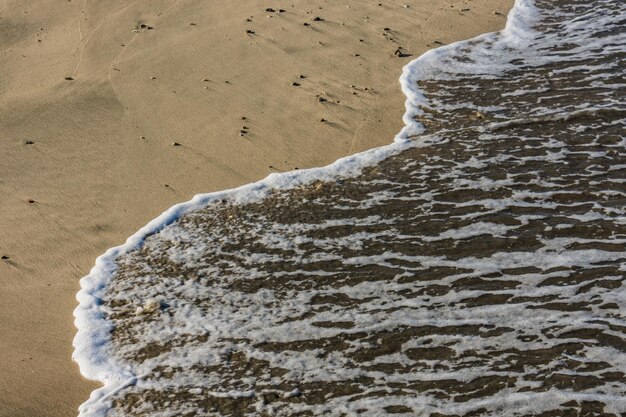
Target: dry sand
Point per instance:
(86, 162)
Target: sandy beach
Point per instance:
(112, 112)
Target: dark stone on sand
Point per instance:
(318, 19)
(321, 99)
(144, 26)
(306, 24)
(69, 78)
(322, 120)
(31, 201)
(176, 144)
(29, 142)
(270, 10)
(5, 257)
(400, 53)
(295, 84)
(251, 32)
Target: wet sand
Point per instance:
(112, 112)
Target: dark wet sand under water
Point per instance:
(480, 273)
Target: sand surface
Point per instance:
(87, 161)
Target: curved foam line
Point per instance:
(91, 343)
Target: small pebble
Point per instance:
(69, 78)
(29, 142)
(295, 84)
(176, 144)
(5, 257)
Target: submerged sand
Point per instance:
(94, 97)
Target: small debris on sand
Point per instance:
(5, 257)
(321, 99)
(176, 144)
(400, 53)
(69, 78)
(29, 142)
(318, 19)
(31, 201)
(251, 32)
(296, 84)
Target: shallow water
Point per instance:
(480, 272)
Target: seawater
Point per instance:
(475, 267)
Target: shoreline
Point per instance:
(44, 265)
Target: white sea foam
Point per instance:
(259, 315)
